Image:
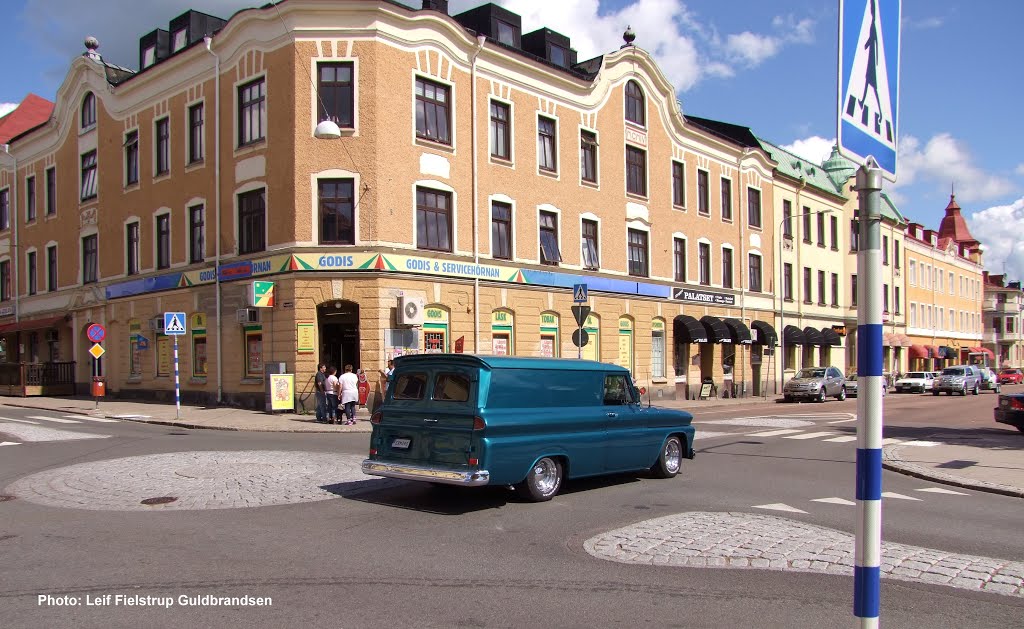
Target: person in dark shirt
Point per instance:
(321, 393)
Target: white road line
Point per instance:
(940, 490)
(9, 443)
(843, 421)
(20, 421)
(890, 441)
(707, 434)
(773, 433)
(92, 419)
(810, 435)
(778, 506)
(843, 439)
(893, 494)
(835, 501)
(54, 419)
(922, 444)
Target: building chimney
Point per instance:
(436, 5)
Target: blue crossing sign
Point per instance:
(174, 323)
(579, 293)
(869, 72)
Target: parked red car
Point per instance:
(1011, 376)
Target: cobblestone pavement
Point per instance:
(199, 480)
(39, 433)
(743, 540)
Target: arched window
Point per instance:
(88, 110)
(634, 103)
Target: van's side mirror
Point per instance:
(643, 390)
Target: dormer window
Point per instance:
(180, 39)
(507, 33)
(559, 56)
(634, 103)
(88, 111)
(148, 57)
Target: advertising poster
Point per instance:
(282, 391)
(306, 335)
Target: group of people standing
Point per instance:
(333, 391)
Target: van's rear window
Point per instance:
(451, 387)
(410, 386)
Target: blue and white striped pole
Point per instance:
(177, 382)
(868, 553)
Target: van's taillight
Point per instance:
(1017, 403)
(474, 461)
(373, 451)
(376, 417)
(478, 423)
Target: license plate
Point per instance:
(401, 444)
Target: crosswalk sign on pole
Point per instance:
(174, 323)
(579, 293)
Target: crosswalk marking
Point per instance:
(773, 433)
(891, 442)
(843, 421)
(940, 490)
(810, 435)
(835, 501)
(778, 506)
(54, 419)
(922, 444)
(893, 494)
(843, 439)
(91, 419)
(20, 421)
(9, 443)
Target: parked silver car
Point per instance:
(851, 386)
(959, 379)
(816, 383)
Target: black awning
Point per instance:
(830, 337)
(766, 334)
(812, 336)
(738, 330)
(717, 330)
(689, 330)
(793, 335)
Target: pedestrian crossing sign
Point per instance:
(174, 323)
(579, 293)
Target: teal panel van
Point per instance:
(530, 423)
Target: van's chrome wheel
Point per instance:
(670, 459)
(543, 481)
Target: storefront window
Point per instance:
(254, 352)
(502, 341)
(657, 348)
(164, 356)
(549, 334)
(134, 353)
(435, 329)
(199, 355)
(592, 350)
(626, 343)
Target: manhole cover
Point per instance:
(6, 498)
(162, 500)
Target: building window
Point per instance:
(854, 236)
(337, 211)
(853, 290)
(658, 350)
(196, 152)
(591, 259)
(88, 111)
(637, 252)
(754, 272)
(89, 176)
(885, 252)
(254, 354)
(808, 289)
(896, 261)
(678, 185)
(336, 93)
(636, 171)
(33, 281)
(180, 40)
(703, 194)
(885, 298)
(634, 103)
(433, 220)
(163, 241)
(501, 131)
(704, 263)
(5, 280)
(196, 233)
(163, 148)
(787, 281)
(51, 268)
(547, 146)
(726, 267)
(912, 275)
(148, 57)
(501, 230)
(5, 209)
(834, 225)
(821, 229)
(787, 219)
(896, 300)
(252, 215)
(821, 288)
(30, 199)
(51, 191)
(679, 258)
(433, 117)
(507, 33)
(559, 56)
(807, 225)
(131, 238)
(835, 289)
(588, 156)
(913, 315)
(131, 158)
(90, 259)
(754, 207)
(549, 253)
(252, 112)
(726, 199)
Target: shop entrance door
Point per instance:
(339, 334)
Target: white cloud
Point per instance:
(1001, 230)
(750, 48)
(923, 23)
(1020, 169)
(815, 148)
(6, 108)
(945, 160)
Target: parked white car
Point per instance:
(915, 382)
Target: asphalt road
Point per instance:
(369, 553)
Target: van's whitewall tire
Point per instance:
(670, 461)
(543, 481)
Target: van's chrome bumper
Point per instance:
(468, 478)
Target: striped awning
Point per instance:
(920, 351)
(716, 329)
(766, 334)
(738, 330)
(689, 330)
(830, 337)
(812, 336)
(793, 335)
(904, 340)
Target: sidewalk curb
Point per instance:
(166, 422)
(892, 462)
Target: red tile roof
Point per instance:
(32, 112)
(954, 226)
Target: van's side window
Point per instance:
(451, 387)
(411, 386)
(616, 390)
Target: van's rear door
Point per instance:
(428, 419)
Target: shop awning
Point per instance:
(919, 351)
(766, 334)
(890, 340)
(812, 336)
(717, 330)
(830, 337)
(689, 330)
(946, 352)
(904, 340)
(793, 335)
(991, 354)
(738, 330)
(32, 324)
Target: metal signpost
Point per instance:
(174, 325)
(867, 133)
(580, 336)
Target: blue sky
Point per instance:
(767, 65)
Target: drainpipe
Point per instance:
(216, 205)
(13, 217)
(480, 41)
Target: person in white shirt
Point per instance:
(331, 388)
(349, 394)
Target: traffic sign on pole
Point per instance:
(96, 333)
(174, 323)
(579, 293)
(581, 313)
(97, 350)
(580, 337)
